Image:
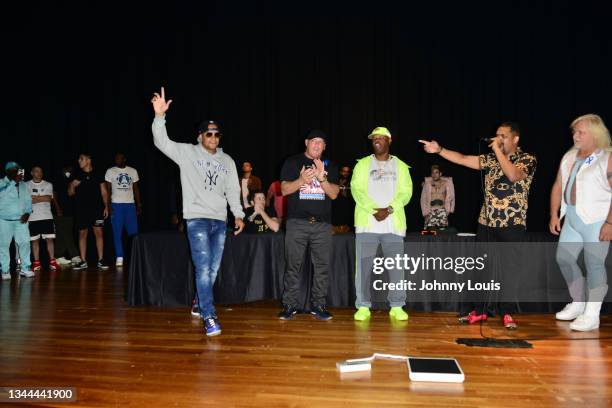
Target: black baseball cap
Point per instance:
(204, 126)
(317, 133)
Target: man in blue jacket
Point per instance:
(15, 210)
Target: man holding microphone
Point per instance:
(508, 173)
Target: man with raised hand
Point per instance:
(209, 182)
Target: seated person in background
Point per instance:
(259, 218)
(437, 199)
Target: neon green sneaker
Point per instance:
(398, 313)
(363, 313)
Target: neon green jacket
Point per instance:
(365, 205)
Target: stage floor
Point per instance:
(74, 329)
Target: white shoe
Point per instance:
(585, 322)
(63, 261)
(119, 261)
(27, 274)
(6, 276)
(589, 320)
(76, 260)
(571, 311)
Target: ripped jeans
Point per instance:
(207, 240)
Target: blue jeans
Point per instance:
(21, 234)
(123, 215)
(207, 239)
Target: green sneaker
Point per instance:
(398, 313)
(363, 313)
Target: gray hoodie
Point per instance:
(210, 181)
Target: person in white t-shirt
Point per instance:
(125, 201)
(41, 221)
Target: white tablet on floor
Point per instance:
(435, 370)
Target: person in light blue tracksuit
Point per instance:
(15, 210)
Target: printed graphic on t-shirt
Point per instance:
(123, 181)
(312, 191)
(211, 171)
(382, 175)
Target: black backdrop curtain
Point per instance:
(79, 76)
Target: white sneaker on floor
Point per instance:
(6, 276)
(119, 261)
(585, 322)
(63, 261)
(76, 260)
(27, 274)
(571, 311)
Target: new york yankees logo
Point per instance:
(211, 177)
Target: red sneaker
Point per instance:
(466, 318)
(36, 266)
(473, 317)
(476, 318)
(509, 322)
(53, 265)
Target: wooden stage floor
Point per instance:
(74, 329)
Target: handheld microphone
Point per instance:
(487, 139)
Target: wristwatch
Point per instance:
(390, 210)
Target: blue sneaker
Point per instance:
(321, 313)
(212, 327)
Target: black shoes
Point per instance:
(321, 313)
(287, 313)
(102, 265)
(318, 312)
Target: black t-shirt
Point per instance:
(257, 225)
(88, 197)
(310, 200)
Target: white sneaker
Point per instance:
(119, 261)
(571, 311)
(27, 274)
(76, 260)
(63, 261)
(6, 276)
(585, 322)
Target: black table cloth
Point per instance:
(161, 273)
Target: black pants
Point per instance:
(489, 234)
(64, 239)
(299, 235)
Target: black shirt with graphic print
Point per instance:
(256, 224)
(309, 200)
